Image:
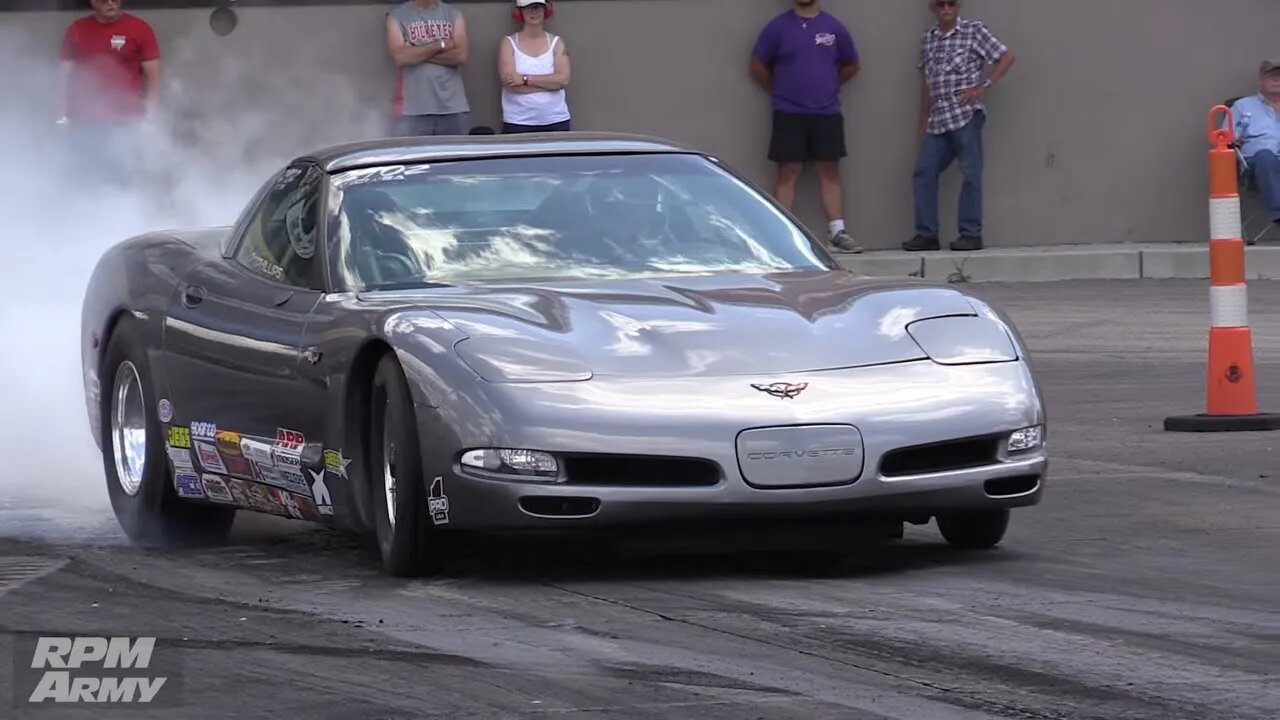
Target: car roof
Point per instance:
(408, 150)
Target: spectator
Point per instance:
(427, 40)
(803, 57)
(1257, 131)
(109, 84)
(533, 66)
(953, 54)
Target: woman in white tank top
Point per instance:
(533, 66)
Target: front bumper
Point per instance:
(907, 405)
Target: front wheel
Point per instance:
(135, 459)
(402, 522)
(977, 530)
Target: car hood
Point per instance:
(694, 326)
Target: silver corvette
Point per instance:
(414, 337)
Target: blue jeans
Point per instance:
(937, 154)
(1265, 166)
(414, 125)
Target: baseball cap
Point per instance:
(1269, 66)
(527, 3)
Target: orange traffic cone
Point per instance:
(1232, 392)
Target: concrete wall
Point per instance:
(1097, 136)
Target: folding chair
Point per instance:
(1248, 190)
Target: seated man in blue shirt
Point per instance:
(1257, 130)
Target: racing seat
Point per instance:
(1256, 220)
(380, 252)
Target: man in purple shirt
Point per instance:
(803, 57)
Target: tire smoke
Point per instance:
(220, 134)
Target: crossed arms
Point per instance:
(513, 81)
(448, 51)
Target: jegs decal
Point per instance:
(438, 502)
(179, 437)
(209, 458)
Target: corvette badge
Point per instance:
(782, 390)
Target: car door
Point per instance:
(232, 349)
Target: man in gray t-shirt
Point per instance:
(427, 40)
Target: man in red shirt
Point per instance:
(110, 81)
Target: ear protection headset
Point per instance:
(518, 15)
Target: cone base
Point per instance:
(1259, 422)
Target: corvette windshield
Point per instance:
(513, 219)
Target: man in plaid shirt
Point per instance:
(953, 55)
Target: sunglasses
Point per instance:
(946, 3)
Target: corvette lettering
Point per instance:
(802, 454)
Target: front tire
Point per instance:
(139, 481)
(401, 524)
(977, 530)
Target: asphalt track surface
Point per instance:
(1140, 588)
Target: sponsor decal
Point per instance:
(216, 488)
(292, 479)
(117, 42)
(166, 410)
(228, 443)
(209, 458)
(824, 39)
(266, 267)
(782, 390)
(89, 670)
(290, 440)
(260, 498)
(320, 492)
(257, 452)
(240, 493)
(438, 502)
(232, 457)
(188, 485)
(179, 437)
(335, 463)
(181, 458)
(204, 430)
(284, 459)
(286, 499)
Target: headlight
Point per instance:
(1026, 439)
(522, 464)
(963, 340)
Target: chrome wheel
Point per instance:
(389, 465)
(128, 428)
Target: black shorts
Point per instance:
(803, 138)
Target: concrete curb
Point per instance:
(1061, 262)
